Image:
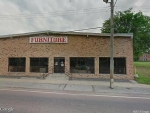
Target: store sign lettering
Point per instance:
(48, 39)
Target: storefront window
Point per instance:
(119, 65)
(104, 65)
(16, 64)
(82, 65)
(39, 65)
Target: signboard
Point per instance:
(48, 39)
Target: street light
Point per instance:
(111, 43)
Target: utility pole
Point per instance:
(111, 42)
(112, 45)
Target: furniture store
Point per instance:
(79, 54)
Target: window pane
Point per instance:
(17, 64)
(119, 65)
(81, 65)
(39, 65)
(43, 65)
(34, 61)
(104, 65)
(90, 64)
(21, 64)
(34, 64)
(21, 61)
(43, 61)
(13, 61)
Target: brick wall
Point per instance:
(77, 46)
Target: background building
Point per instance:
(145, 57)
(84, 55)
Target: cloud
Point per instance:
(58, 15)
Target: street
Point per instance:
(48, 101)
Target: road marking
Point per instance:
(92, 95)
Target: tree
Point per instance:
(136, 23)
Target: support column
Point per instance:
(27, 66)
(67, 65)
(51, 65)
(97, 66)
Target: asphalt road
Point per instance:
(44, 101)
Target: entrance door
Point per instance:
(59, 65)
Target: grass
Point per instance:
(142, 64)
(143, 70)
(143, 79)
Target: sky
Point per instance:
(22, 16)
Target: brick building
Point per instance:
(145, 57)
(84, 55)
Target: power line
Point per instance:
(76, 30)
(134, 6)
(120, 7)
(91, 29)
(80, 29)
(72, 11)
(52, 14)
(59, 12)
(63, 13)
(87, 29)
(44, 16)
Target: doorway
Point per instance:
(59, 65)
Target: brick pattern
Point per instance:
(77, 46)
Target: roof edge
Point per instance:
(66, 33)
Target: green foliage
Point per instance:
(143, 70)
(136, 23)
(143, 79)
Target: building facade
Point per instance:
(82, 55)
(145, 57)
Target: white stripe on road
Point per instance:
(146, 98)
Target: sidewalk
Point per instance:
(90, 85)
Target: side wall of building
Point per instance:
(77, 46)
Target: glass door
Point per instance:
(59, 65)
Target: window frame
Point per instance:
(79, 62)
(39, 66)
(115, 63)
